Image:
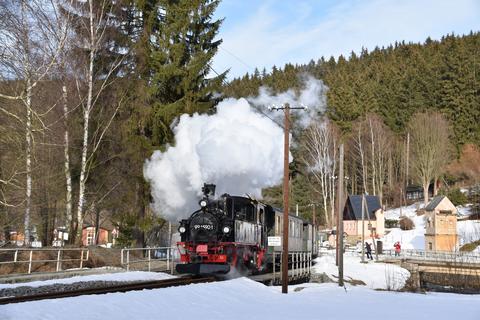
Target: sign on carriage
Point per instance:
(274, 241)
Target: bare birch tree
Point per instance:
(93, 20)
(320, 158)
(430, 145)
(24, 63)
(381, 140)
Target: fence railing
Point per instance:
(300, 265)
(16, 257)
(444, 256)
(156, 258)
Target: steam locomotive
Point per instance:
(232, 232)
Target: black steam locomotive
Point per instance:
(232, 231)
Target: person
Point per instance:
(369, 250)
(397, 247)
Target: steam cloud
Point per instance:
(238, 149)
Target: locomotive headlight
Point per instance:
(226, 229)
(203, 203)
(181, 229)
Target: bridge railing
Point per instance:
(31, 257)
(300, 264)
(155, 258)
(447, 256)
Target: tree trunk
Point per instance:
(68, 176)
(374, 171)
(140, 234)
(86, 119)
(83, 169)
(435, 186)
(28, 158)
(425, 193)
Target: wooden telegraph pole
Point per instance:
(340, 219)
(286, 177)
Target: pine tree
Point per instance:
(181, 49)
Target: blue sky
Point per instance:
(266, 33)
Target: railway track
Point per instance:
(109, 289)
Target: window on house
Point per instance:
(430, 246)
(90, 236)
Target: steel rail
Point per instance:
(156, 284)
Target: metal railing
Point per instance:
(156, 258)
(300, 265)
(443, 256)
(14, 256)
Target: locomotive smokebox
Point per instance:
(208, 189)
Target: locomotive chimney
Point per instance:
(208, 190)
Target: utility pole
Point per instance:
(314, 218)
(363, 228)
(286, 177)
(407, 160)
(314, 230)
(340, 219)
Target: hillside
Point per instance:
(393, 82)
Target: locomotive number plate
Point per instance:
(203, 226)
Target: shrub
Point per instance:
(468, 247)
(406, 223)
(391, 223)
(457, 197)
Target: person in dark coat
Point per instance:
(369, 250)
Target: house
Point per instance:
(414, 193)
(441, 225)
(373, 220)
(106, 235)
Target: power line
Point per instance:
(237, 58)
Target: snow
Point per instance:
(119, 276)
(241, 298)
(468, 231)
(409, 239)
(464, 210)
(245, 299)
(409, 211)
(375, 275)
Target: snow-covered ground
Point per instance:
(119, 276)
(245, 299)
(374, 275)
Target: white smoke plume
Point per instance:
(238, 149)
(312, 96)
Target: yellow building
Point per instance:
(441, 225)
